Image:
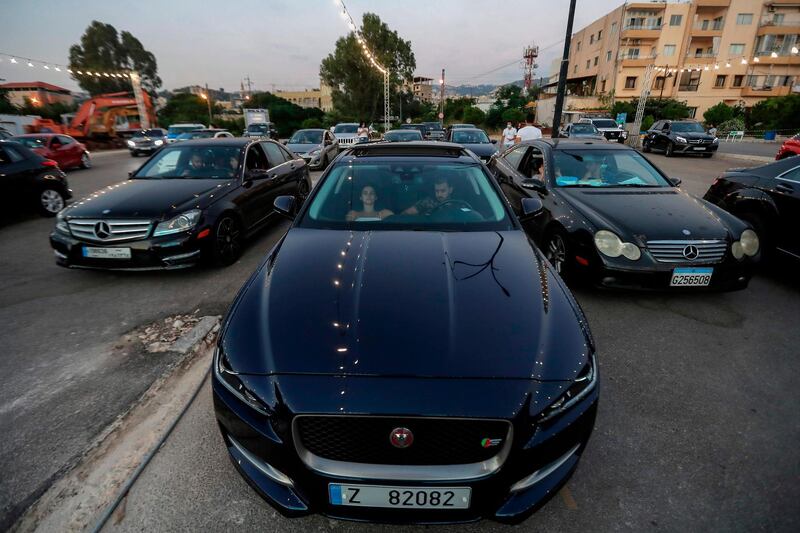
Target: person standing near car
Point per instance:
(363, 132)
(509, 134)
(528, 132)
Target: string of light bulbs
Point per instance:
(716, 66)
(15, 59)
(359, 36)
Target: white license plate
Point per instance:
(107, 253)
(698, 148)
(400, 497)
(691, 277)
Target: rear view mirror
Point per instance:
(494, 141)
(284, 205)
(530, 208)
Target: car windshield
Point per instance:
(410, 195)
(470, 137)
(149, 133)
(687, 127)
(605, 123)
(605, 168)
(177, 130)
(583, 128)
(202, 134)
(185, 136)
(258, 127)
(456, 126)
(32, 142)
(306, 137)
(346, 128)
(408, 135)
(433, 125)
(187, 162)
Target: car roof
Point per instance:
(770, 170)
(681, 120)
(580, 144)
(41, 135)
(401, 130)
(471, 129)
(222, 141)
(311, 129)
(410, 149)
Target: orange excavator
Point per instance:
(103, 119)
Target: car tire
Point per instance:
(645, 146)
(670, 151)
(50, 201)
(134, 154)
(228, 239)
(302, 192)
(556, 252)
(86, 161)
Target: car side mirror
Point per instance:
(130, 174)
(533, 183)
(284, 206)
(531, 207)
(676, 182)
(494, 141)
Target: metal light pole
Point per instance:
(441, 98)
(562, 76)
(208, 101)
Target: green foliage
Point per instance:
(357, 85)
(103, 50)
(664, 108)
(734, 124)
(286, 116)
(719, 113)
(311, 123)
(494, 118)
(514, 115)
(778, 113)
(473, 115)
(5, 104)
(647, 122)
(623, 106)
(512, 93)
(184, 108)
(234, 125)
(454, 108)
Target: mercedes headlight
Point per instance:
(183, 222)
(230, 379)
(158, 142)
(746, 245)
(580, 388)
(715, 141)
(680, 139)
(131, 143)
(610, 245)
(61, 223)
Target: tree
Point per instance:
(512, 93)
(473, 115)
(103, 50)
(718, 113)
(454, 108)
(357, 86)
(184, 107)
(513, 115)
(778, 113)
(311, 123)
(659, 108)
(287, 116)
(5, 104)
(52, 111)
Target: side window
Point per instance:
(10, 155)
(274, 154)
(534, 164)
(514, 157)
(166, 165)
(256, 160)
(286, 154)
(793, 175)
(55, 142)
(65, 140)
(657, 125)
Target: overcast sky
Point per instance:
(280, 43)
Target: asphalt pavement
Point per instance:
(754, 148)
(697, 426)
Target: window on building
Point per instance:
(591, 39)
(689, 81)
(777, 19)
(608, 55)
(574, 69)
(669, 50)
(744, 19)
(736, 49)
(692, 112)
(659, 82)
(599, 34)
(718, 23)
(613, 28)
(738, 80)
(720, 81)
(603, 86)
(630, 82)
(578, 47)
(675, 20)
(633, 53)
(596, 58)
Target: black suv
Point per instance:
(680, 137)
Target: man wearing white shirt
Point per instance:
(509, 134)
(528, 133)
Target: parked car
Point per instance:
(346, 133)
(358, 373)
(29, 180)
(207, 133)
(789, 148)
(176, 129)
(5, 134)
(581, 130)
(434, 131)
(614, 219)
(680, 137)
(421, 128)
(448, 131)
(261, 130)
(608, 127)
(317, 147)
(404, 135)
(62, 149)
(190, 201)
(147, 141)
(766, 197)
(476, 141)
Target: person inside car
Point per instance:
(196, 162)
(368, 199)
(594, 170)
(442, 191)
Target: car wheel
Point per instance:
(86, 161)
(227, 241)
(645, 146)
(670, 150)
(51, 201)
(555, 250)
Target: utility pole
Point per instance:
(562, 77)
(144, 118)
(441, 98)
(208, 101)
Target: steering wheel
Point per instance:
(451, 202)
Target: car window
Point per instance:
(286, 154)
(657, 125)
(435, 196)
(687, 127)
(256, 159)
(13, 155)
(583, 128)
(605, 123)
(605, 168)
(192, 162)
(306, 137)
(793, 175)
(166, 165)
(514, 157)
(66, 140)
(533, 164)
(274, 154)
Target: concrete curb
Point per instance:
(195, 335)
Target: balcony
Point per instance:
(707, 28)
(712, 3)
(645, 6)
(705, 58)
(784, 27)
(765, 58)
(766, 91)
(641, 31)
(637, 61)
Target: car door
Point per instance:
(785, 192)
(17, 173)
(286, 170)
(58, 152)
(332, 146)
(506, 170)
(257, 187)
(72, 150)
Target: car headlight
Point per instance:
(715, 141)
(610, 245)
(580, 388)
(183, 222)
(131, 144)
(158, 142)
(61, 223)
(623, 134)
(748, 243)
(680, 139)
(230, 379)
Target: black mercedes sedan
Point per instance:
(768, 198)
(31, 181)
(475, 140)
(405, 353)
(613, 219)
(190, 201)
(680, 137)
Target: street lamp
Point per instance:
(208, 101)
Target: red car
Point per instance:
(789, 148)
(63, 149)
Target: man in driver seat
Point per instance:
(442, 190)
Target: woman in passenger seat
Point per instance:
(368, 199)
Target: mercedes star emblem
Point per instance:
(401, 437)
(102, 230)
(691, 252)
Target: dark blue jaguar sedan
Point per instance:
(405, 353)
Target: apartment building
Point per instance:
(703, 51)
(421, 87)
(320, 98)
(37, 93)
